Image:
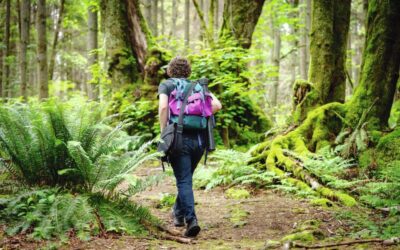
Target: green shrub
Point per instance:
(225, 65)
(72, 148)
(69, 144)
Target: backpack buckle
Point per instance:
(179, 128)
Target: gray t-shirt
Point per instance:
(166, 87)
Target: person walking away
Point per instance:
(171, 93)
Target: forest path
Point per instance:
(228, 223)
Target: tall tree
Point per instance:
(7, 51)
(380, 65)
(42, 49)
(155, 17)
(55, 39)
(149, 58)
(174, 17)
(148, 12)
(276, 54)
(121, 67)
(25, 11)
(162, 16)
(294, 32)
(187, 23)
(304, 40)
(239, 20)
(92, 49)
(328, 48)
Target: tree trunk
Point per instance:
(276, 63)
(204, 30)
(211, 17)
(24, 41)
(328, 48)
(308, 29)
(294, 44)
(121, 69)
(7, 51)
(216, 16)
(55, 40)
(162, 10)
(149, 57)
(174, 15)
(148, 12)
(303, 40)
(92, 86)
(360, 40)
(329, 32)
(139, 34)
(187, 23)
(349, 66)
(155, 17)
(239, 20)
(380, 66)
(42, 49)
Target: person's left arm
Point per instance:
(163, 110)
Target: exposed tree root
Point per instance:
(317, 131)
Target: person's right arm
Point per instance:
(216, 104)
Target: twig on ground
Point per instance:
(178, 239)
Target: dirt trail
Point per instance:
(227, 223)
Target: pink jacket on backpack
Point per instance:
(195, 104)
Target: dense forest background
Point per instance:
(90, 50)
(309, 89)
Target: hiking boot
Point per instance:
(192, 229)
(178, 221)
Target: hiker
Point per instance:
(194, 136)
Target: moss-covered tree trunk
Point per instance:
(122, 68)
(328, 45)
(372, 99)
(380, 65)
(149, 57)
(239, 20)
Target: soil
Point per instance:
(266, 215)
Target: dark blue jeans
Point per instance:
(184, 165)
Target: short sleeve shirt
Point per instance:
(166, 87)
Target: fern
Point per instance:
(328, 168)
(229, 167)
(69, 144)
(385, 191)
(49, 213)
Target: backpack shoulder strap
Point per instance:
(180, 119)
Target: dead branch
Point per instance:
(178, 239)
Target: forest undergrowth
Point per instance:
(87, 193)
(62, 167)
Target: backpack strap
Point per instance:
(180, 119)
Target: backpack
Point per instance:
(198, 107)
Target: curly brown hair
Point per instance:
(179, 67)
